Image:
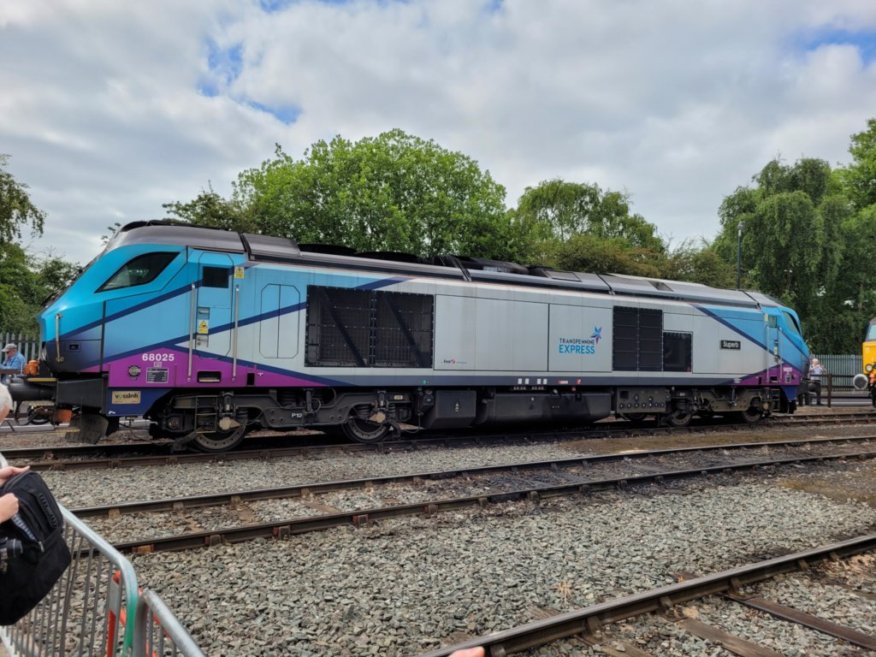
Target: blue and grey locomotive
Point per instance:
(208, 332)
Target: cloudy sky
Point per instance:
(110, 108)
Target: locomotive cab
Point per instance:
(867, 380)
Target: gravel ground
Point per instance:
(98, 487)
(131, 527)
(411, 584)
(841, 602)
(408, 585)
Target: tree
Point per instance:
(393, 192)
(792, 238)
(26, 284)
(558, 209)
(698, 265)
(784, 238)
(16, 208)
(590, 253)
(209, 209)
(859, 178)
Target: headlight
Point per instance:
(868, 368)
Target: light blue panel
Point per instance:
(154, 324)
(279, 332)
(215, 306)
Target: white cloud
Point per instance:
(110, 108)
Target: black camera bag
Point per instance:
(39, 525)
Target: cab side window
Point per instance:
(139, 271)
(791, 323)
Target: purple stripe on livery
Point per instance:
(169, 368)
(784, 375)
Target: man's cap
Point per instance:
(10, 345)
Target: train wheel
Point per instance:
(751, 415)
(219, 441)
(679, 417)
(364, 431)
(39, 414)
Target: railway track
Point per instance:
(266, 445)
(585, 622)
(554, 481)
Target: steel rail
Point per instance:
(698, 424)
(302, 490)
(590, 619)
(157, 452)
(811, 621)
(301, 525)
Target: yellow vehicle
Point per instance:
(867, 380)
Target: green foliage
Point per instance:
(26, 283)
(591, 253)
(699, 265)
(209, 209)
(792, 238)
(394, 192)
(859, 177)
(16, 208)
(784, 238)
(557, 209)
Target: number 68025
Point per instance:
(158, 358)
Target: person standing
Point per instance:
(13, 363)
(816, 372)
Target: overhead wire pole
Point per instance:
(739, 254)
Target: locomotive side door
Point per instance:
(773, 347)
(212, 319)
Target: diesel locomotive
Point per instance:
(207, 333)
(867, 380)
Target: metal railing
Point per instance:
(84, 613)
(96, 609)
(157, 632)
(842, 368)
(28, 345)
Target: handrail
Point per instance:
(151, 607)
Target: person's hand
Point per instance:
(10, 471)
(469, 652)
(8, 506)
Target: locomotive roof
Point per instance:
(282, 249)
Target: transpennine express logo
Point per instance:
(581, 346)
(597, 334)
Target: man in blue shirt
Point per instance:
(14, 361)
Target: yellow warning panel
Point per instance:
(238, 272)
(126, 397)
(203, 326)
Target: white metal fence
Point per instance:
(842, 368)
(28, 346)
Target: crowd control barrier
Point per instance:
(96, 609)
(158, 633)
